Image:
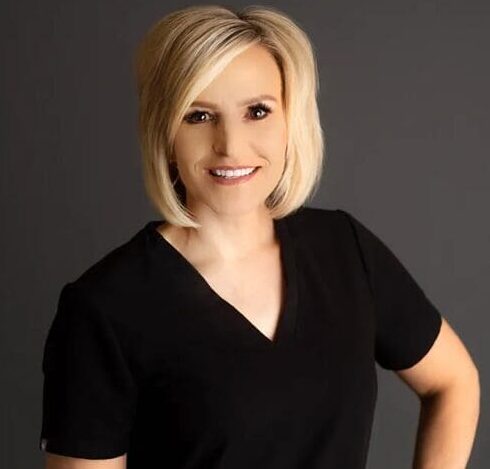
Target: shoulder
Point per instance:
(314, 223)
(123, 273)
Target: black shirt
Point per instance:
(144, 357)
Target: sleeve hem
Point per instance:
(422, 352)
(82, 449)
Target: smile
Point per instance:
(231, 177)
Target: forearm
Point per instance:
(447, 427)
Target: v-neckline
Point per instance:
(286, 322)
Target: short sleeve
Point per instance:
(407, 322)
(88, 392)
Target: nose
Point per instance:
(229, 139)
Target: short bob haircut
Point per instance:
(181, 55)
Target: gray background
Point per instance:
(404, 101)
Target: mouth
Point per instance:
(228, 172)
(228, 176)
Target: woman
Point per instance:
(242, 330)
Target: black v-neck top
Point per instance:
(143, 357)
(287, 316)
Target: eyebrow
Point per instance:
(261, 97)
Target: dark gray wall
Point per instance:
(404, 100)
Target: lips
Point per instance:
(231, 180)
(230, 168)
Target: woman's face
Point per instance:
(237, 121)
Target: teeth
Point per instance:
(231, 173)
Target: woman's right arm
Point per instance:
(56, 461)
(89, 394)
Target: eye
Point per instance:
(261, 107)
(197, 116)
(190, 117)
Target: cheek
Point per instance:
(182, 145)
(185, 150)
(276, 147)
(272, 137)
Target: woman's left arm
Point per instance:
(447, 383)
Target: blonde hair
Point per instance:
(181, 55)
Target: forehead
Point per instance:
(254, 72)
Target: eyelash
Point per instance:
(260, 106)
